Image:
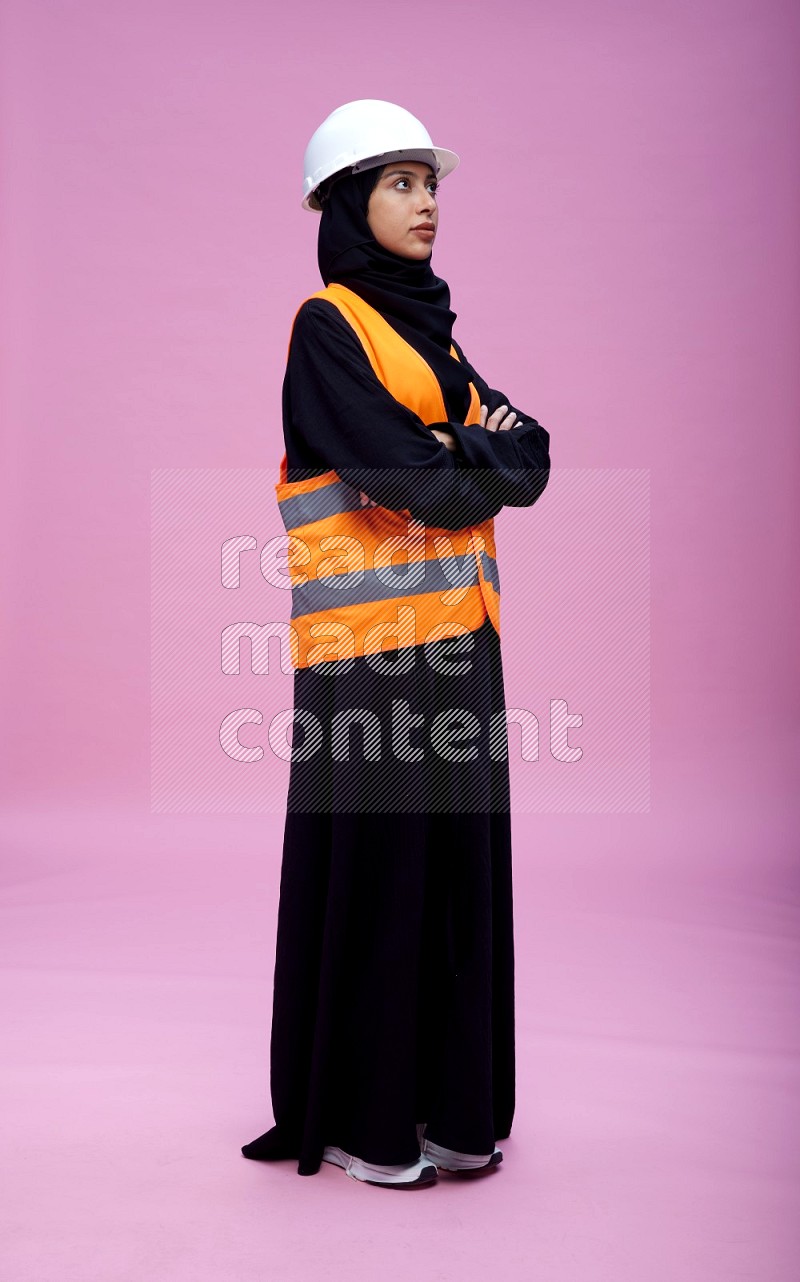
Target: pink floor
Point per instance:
(656, 1128)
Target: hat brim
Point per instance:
(446, 161)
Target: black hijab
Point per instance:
(405, 291)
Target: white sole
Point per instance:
(448, 1159)
(413, 1175)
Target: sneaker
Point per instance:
(447, 1159)
(413, 1175)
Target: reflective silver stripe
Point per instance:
(304, 509)
(490, 571)
(365, 585)
(362, 586)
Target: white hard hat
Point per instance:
(363, 134)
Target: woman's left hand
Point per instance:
(446, 438)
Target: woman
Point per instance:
(392, 1051)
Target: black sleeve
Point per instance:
(339, 415)
(513, 466)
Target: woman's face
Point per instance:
(402, 205)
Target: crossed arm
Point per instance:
(445, 474)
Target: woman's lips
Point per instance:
(424, 231)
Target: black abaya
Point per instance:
(394, 972)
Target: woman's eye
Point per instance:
(432, 186)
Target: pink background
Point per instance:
(621, 245)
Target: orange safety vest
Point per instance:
(348, 599)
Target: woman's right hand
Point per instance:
(500, 420)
